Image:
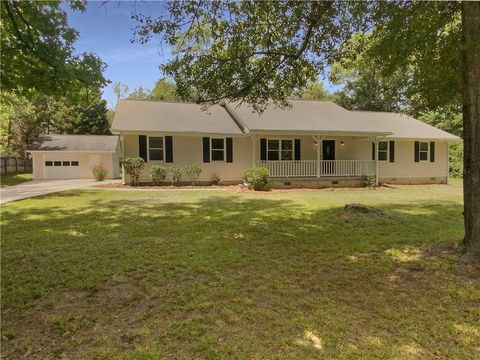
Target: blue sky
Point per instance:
(106, 30)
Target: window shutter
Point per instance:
(392, 151)
(297, 149)
(142, 147)
(263, 149)
(229, 146)
(373, 151)
(168, 149)
(206, 149)
(432, 151)
(417, 151)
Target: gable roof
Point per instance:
(304, 116)
(309, 116)
(133, 115)
(407, 127)
(102, 143)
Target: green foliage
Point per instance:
(193, 171)
(313, 91)
(445, 118)
(99, 172)
(38, 51)
(256, 178)
(455, 155)
(370, 181)
(139, 93)
(133, 167)
(164, 90)
(175, 173)
(158, 174)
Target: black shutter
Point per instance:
(392, 151)
(206, 149)
(142, 147)
(417, 151)
(297, 149)
(373, 151)
(263, 149)
(229, 146)
(432, 151)
(168, 149)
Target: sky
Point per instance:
(106, 30)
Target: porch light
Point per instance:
(342, 143)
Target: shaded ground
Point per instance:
(184, 274)
(14, 179)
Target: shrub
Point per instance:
(193, 171)
(216, 180)
(99, 172)
(455, 152)
(158, 174)
(370, 181)
(133, 167)
(256, 178)
(175, 173)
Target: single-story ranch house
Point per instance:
(311, 144)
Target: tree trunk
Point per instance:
(471, 128)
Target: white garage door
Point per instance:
(61, 167)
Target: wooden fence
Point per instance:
(15, 165)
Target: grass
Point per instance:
(14, 179)
(98, 274)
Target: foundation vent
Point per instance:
(287, 183)
(335, 182)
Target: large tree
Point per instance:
(261, 51)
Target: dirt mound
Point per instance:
(362, 211)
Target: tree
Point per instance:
(363, 86)
(164, 90)
(139, 94)
(38, 50)
(259, 52)
(314, 91)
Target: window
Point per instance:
(66, 163)
(217, 147)
(423, 155)
(280, 149)
(155, 148)
(383, 150)
(57, 163)
(48, 163)
(74, 163)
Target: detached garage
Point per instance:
(73, 156)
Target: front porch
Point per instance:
(319, 168)
(311, 157)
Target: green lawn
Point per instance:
(14, 179)
(101, 274)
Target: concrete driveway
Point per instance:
(41, 187)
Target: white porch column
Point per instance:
(318, 140)
(254, 148)
(376, 161)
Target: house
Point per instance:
(73, 156)
(311, 144)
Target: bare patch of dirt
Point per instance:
(355, 211)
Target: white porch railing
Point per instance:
(317, 168)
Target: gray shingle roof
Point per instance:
(404, 126)
(75, 143)
(140, 116)
(320, 117)
(309, 116)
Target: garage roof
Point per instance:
(74, 143)
(134, 115)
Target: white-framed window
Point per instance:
(383, 150)
(217, 149)
(156, 148)
(280, 149)
(423, 151)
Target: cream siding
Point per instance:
(84, 159)
(189, 150)
(405, 169)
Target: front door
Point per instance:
(328, 154)
(328, 149)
